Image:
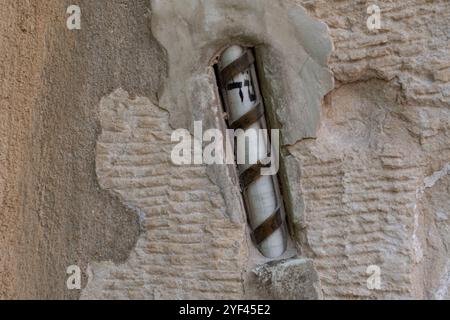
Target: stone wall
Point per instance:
(385, 130)
(53, 212)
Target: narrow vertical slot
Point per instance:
(255, 153)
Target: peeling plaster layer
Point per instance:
(292, 52)
(341, 190)
(187, 249)
(430, 181)
(354, 187)
(293, 49)
(52, 212)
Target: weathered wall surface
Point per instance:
(187, 249)
(385, 129)
(85, 176)
(189, 94)
(53, 212)
(21, 63)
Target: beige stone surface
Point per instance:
(386, 129)
(85, 176)
(292, 49)
(53, 213)
(21, 61)
(187, 249)
(293, 279)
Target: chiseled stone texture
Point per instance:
(292, 50)
(188, 248)
(365, 181)
(370, 187)
(294, 279)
